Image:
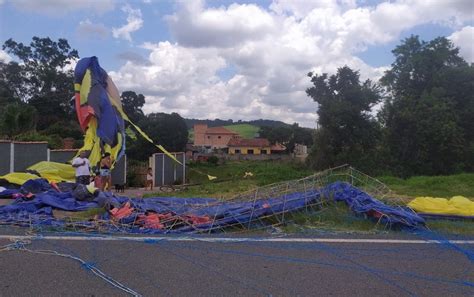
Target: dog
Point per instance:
(120, 188)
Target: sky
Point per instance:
(240, 60)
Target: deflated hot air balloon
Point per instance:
(99, 111)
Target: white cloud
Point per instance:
(267, 54)
(464, 39)
(4, 57)
(87, 29)
(195, 26)
(62, 7)
(134, 23)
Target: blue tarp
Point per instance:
(218, 214)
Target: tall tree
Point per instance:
(42, 78)
(169, 130)
(347, 132)
(429, 111)
(132, 105)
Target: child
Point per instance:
(149, 179)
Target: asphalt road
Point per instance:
(246, 268)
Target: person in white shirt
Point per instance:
(82, 166)
(149, 179)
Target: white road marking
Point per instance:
(234, 239)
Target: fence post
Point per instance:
(12, 157)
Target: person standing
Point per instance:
(149, 179)
(105, 176)
(82, 166)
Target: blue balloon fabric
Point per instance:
(193, 215)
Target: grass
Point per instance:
(230, 178)
(334, 217)
(245, 130)
(435, 186)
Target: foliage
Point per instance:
(213, 160)
(347, 133)
(288, 135)
(132, 105)
(17, 118)
(429, 112)
(54, 141)
(168, 130)
(41, 78)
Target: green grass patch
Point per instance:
(436, 186)
(333, 217)
(452, 227)
(245, 130)
(230, 178)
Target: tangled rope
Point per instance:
(20, 245)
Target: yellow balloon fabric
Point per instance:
(18, 178)
(457, 206)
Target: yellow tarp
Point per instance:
(52, 171)
(457, 206)
(18, 178)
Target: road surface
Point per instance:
(237, 266)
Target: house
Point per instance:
(255, 146)
(214, 137)
(278, 148)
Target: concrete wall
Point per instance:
(62, 156)
(5, 148)
(166, 171)
(245, 150)
(217, 140)
(27, 154)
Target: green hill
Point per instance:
(245, 130)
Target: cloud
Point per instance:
(4, 57)
(270, 51)
(87, 29)
(62, 7)
(134, 23)
(133, 57)
(195, 26)
(464, 39)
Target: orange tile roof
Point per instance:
(254, 142)
(220, 130)
(278, 147)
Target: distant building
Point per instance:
(278, 148)
(300, 149)
(255, 146)
(214, 137)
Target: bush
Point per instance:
(213, 160)
(54, 141)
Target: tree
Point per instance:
(347, 133)
(132, 105)
(42, 78)
(288, 135)
(429, 111)
(18, 118)
(169, 130)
